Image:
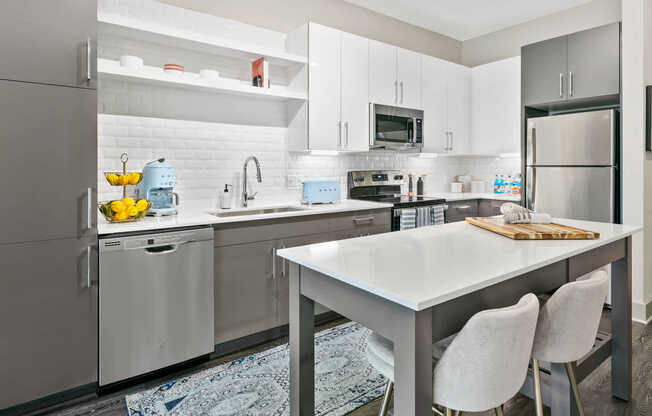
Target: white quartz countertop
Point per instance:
(462, 196)
(427, 266)
(199, 213)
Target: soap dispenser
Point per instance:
(225, 197)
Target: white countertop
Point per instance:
(199, 213)
(427, 266)
(462, 196)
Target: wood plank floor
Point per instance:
(595, 390)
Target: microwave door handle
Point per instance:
(414, 131)
(372, 125)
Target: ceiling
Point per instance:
(466, 19)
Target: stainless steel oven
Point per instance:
(395, 128)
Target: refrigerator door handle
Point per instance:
(531, 156)
(531, 188)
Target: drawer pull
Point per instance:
(463, 207)
(363, 220)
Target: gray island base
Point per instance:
(436, 288)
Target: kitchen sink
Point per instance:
(261, 211)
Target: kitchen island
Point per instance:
(417, 286)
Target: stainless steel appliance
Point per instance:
(395, 128)
(385, 186)
(156, 301)
(572, 165)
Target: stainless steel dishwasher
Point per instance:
(156, 301)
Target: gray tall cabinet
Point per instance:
(48, 179)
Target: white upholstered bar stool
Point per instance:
(567, 327)
(483, 367)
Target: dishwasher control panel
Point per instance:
(154, 240)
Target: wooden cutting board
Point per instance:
(532, 231)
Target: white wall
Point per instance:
(286, 15)
(633, 110)
(507, 42)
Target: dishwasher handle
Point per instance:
(158, 250)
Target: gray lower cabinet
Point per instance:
(251, 282)
(245, 289)
(45, 41)
(49, 319)
(489, 207)
(459, 210)
(48, 160)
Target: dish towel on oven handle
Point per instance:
(408, 218)
(437, 214)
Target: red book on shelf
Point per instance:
(259, 72)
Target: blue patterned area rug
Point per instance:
(258, 384)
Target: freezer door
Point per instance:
(572, 139)
(581, 193)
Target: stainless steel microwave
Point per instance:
(395, 128)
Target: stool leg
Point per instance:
(576, 391)
(388, 395)
(436, 411)
(449, 412)
(538, 399)
(499, 411)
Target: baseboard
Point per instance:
(642, 312)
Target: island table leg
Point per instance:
(413, 364)
(302, 348)
(621, 325)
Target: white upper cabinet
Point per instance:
(383, 84)
(446, 88)
(495, 107)
(409, 69)
(338, 90)
(394, 76)
(324, 126)
(435, 123)
(355, 92)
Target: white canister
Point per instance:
(478, 187)
(130, 61)
(456, 187)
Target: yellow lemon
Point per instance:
(128, 201)
(117, 206)
(141, 205)
(134, 177)
(124, 179)
(112, 178)
(121, 215)
(132, 211)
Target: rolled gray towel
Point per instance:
(512, 208)
(527, 218)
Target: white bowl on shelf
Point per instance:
(130, 61)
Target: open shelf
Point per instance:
(109, 69)
(114, 25)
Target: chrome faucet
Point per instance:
(245, 196)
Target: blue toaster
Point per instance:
(320, 191)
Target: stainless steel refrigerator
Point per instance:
(572, 166)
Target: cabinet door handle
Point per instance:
(452, 145)
(401, 92)
(283, 262)
(561, 85)
(346, 130)
(89, 269)
(88, 59)
(339, 134)
(396, 91)
(570, 83)
(273, 263)
(363, 220)
(89, 208)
